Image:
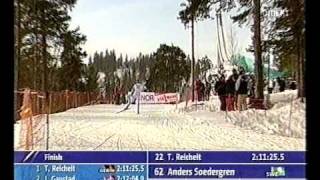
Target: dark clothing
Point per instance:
(198, 85)
(198, 89)
(282, 85)
(207, 90)
(223, 104)
(235, 76)
(293, 86)
(220, 88)
(202, 91)
(230, 87)
(243, 88)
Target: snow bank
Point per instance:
(288, 120)
(285, 118)
(283, 97)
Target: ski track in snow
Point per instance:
(157, 127)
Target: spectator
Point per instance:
(242, 91)
(276, 88)
(202, 91)
(230, 93)
(207, 90)
(235, 76)
(282, 84)
(270, 86)
(220, 88)
(199, 89)
(251, 86)
(293, 85)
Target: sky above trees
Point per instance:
(133, 26)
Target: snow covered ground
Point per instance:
(170, 127)
(285, 118)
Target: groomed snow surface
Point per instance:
(174, 127)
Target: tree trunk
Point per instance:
(36, 55)
(44, 61)
(301, 70)
(299, 66)
(192, 54)
(34, 68)
(302, 74)
(293, 67)
(45, 67)
(17, 57)
(257, 50)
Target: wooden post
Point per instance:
(67, 99)
(47, 121)
(72, 99)
(30, 124)
(37, 109)
(76, 99)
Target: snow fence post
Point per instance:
(26, 119)
(67, 97)
(47, 120)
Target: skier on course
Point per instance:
(135, 94)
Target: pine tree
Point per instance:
(288, 39)
(41, 24)
(72, 59)
(169, 69)
(91, 77)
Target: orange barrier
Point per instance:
(33, 108)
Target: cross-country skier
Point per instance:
(135, 94)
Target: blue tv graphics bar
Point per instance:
(141, 165)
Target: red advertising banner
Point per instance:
(155, 98)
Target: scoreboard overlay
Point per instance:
(141, 165)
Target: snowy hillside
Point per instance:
(167, 127)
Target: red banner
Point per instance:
(155, 98)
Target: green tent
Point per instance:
(248, 65)
(273, 73)
(244, 62)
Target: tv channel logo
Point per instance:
(276, 172)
